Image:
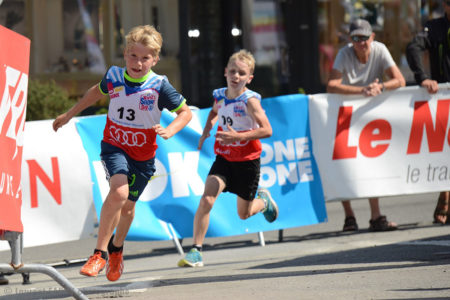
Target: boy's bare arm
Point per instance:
(212, 119)
(90, 97)
(184, 115)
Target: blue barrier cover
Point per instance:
(288, 170)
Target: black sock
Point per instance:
(112, 248)
(198, 247)
(104, 254)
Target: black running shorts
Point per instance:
(240, 177)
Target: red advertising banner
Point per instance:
(14, 65)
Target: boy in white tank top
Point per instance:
(241, 123)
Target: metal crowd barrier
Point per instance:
(15, 240)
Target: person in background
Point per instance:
(137, 98)
(435, 39)
(359, 68)
(242, 122)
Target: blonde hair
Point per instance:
(146, 35)
(244, 56)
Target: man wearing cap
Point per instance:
(364, 67)
(435, 38)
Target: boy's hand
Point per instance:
(227, 137)
(162, 132)
(60, 121)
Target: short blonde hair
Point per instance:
(146, 35)
(244, 56)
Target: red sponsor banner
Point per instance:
(14, 65)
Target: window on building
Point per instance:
(12, 15)
(268, 44)
(82, 50)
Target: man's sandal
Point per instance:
(381, 224)
(441, 212)
(350, 224)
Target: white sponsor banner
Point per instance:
(396, 143)
(57, 203)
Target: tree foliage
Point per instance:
(46, 100)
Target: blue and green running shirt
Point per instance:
(135, 107)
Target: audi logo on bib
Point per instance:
(236, 144)
(127, 137)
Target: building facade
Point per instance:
(294, 42)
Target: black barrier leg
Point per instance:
(26, 278)
(280, 235)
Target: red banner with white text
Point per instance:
(14, 65)
(396, 143)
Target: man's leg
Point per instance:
(441, 212)
(374, 208)
(348, 211)
(350, 220)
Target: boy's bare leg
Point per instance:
(246, 208)
(111, 209)
(213, 187)
(126, 218)
(109, 218)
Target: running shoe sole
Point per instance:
(184, 263)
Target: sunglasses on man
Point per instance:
(359, 38)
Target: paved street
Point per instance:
(312, 262)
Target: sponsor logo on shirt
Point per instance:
(113, 92)
(147, 102)
(239, 111)
(127, 137)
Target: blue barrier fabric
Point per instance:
(288, 170)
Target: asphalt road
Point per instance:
(311, 262)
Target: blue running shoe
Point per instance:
(270, 212)
(192, 259)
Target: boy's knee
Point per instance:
(243, 215)
(207, 202)
(118, 195)
(129, 213)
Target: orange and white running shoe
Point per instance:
(94, 265)
(114, 267)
